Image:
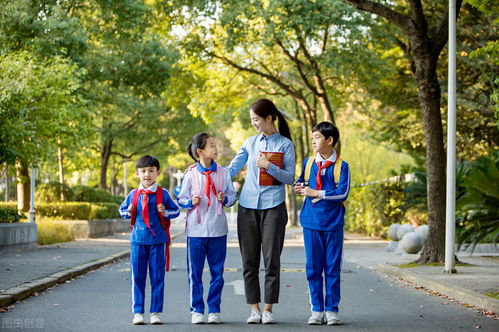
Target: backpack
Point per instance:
(165, 222)
(196, 190)
(336, 172)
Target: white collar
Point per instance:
(152, 188)
(332, 158)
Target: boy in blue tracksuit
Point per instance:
(150, 222)
(322, 219)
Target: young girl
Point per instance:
(206, 189)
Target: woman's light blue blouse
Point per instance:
(254, 196)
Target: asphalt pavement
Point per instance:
(367, 263)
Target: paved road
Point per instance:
(100, 301)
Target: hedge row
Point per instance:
(78, 210)
(8, 213)
(70, 211)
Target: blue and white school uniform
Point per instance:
(322, 224)
(148, 248)
(206, 233)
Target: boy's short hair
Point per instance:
(328, 130)
(147, 161)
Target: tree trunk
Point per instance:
(7, 184)
(61, 167)
(429, 99)
(23, 186)
(105, 154)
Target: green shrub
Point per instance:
(70, 210)
(478, 209)
(105, 211)
(91, 194)
(51, 192)
(78, 210)
(373, 208)
(8, 213)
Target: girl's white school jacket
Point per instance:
(209, 223)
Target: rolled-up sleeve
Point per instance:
(287, 174)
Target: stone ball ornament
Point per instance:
(403, 230)
(411, 243)
(392, 232)
(423, 231)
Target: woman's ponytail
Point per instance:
(283, 126)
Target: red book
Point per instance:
(275, 158)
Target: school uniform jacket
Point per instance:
(329, 212)
(140, 233)
(211, 223)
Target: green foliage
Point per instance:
(78, 210)
(53, 192)
(37, 107)
(105, 211)
(371, 209)
(92, 194)
(8, 213)
(478, 209)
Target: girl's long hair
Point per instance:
(198, 142)
(264, 107)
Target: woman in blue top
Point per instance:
(262, 215)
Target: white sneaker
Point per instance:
(214, 318)
(154, 318)
(197, 318)
(332, 318)
(138, 319)
(317, 318)
(267, 318)
(255, 317)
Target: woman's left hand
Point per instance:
(262, 161)
(161, 208)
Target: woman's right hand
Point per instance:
(196, 200)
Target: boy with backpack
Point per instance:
(150, 209)
(325, 183)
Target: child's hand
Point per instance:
(309, 192)
(221, 196)
(131, 208)
(196, 200)
(262, 161)
(298, 187)
(161, 208)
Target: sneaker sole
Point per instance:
(138, 323)
(335, 322)
(315, 323)
(253, 322)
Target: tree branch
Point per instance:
(299, 64)
(394, 17)
(442, 33)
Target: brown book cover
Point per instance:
(275, 158)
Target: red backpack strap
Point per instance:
(165, 223)
(135, 202)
